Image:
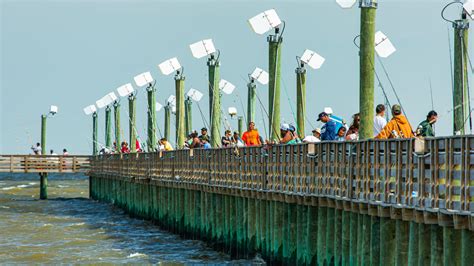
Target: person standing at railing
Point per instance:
(398, 127)
(196, 142)
(353, 131)
(425, 129)
(316, 137)
(285, 135)
(379, 119)
(65, 153)
(341, 134)
(226, 140)
(204, 135)
(236, 140)
(165, 145)
(251, 136)
(36, 149)
(328, 131)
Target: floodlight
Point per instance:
(346, 3)
(171, 100)
(232, 111)
(143, 79)
(109, 98)
(169, 66)
(195, 95)
(469, 8)
(328, 110)
(226, 86)
(312, 59)
(125, 90)
(173, 109)
(260, 75)
(202, 48)
(90, 109)
(383, 46)
(264, 21)
(53, 109)
(158, 106)
(100, 103)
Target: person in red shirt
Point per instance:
(251, 136)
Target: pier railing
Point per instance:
(43, 164)
(435, 184)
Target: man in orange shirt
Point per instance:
(251, 136)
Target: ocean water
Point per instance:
(71, 228)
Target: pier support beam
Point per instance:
(180, 124)
(108, 128)
(214, 100)
(118, 137)
(300, 99)
(132, 124)
(188, 116)
(367, 53)
(460, 93)
(251, 97)
(43, 176)
(95, 128)
(274, 69)
(151, 141)
(240, 125)
(167, 122)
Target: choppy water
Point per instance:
(70, 228)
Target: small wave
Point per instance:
(78, 224)
(8, 188)
(136, 255)
(22, 186)
(32, 183)
(4, 207)
(44, 225)
(61, 186)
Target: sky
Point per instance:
(71, 53)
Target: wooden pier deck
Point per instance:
(310, 203)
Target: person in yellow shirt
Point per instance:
(398, 127)
(166, 145)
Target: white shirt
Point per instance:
(379, 124)
(311, 139)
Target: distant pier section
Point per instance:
(44, 164)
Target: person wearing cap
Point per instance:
(285, 135)
(251, 136)
(204, 135)
(313, 138)
(328, 131)
(398, 127)
(425, 129)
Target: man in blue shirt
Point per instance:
(328, 131)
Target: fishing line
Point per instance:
(450, 60)
(391, 84)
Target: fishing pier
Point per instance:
(394, 202)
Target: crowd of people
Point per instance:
(334, 129)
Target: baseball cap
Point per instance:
(203, 129)
(317, 130)
(321, 115)
(284, 127)
(396, 109)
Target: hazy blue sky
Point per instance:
(71, 53)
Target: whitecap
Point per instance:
(4, 207)
(32, 183)
(136, 255)
(44, 225)
(8, 188)
(22, 186)
(61, 186)
(78, 224)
